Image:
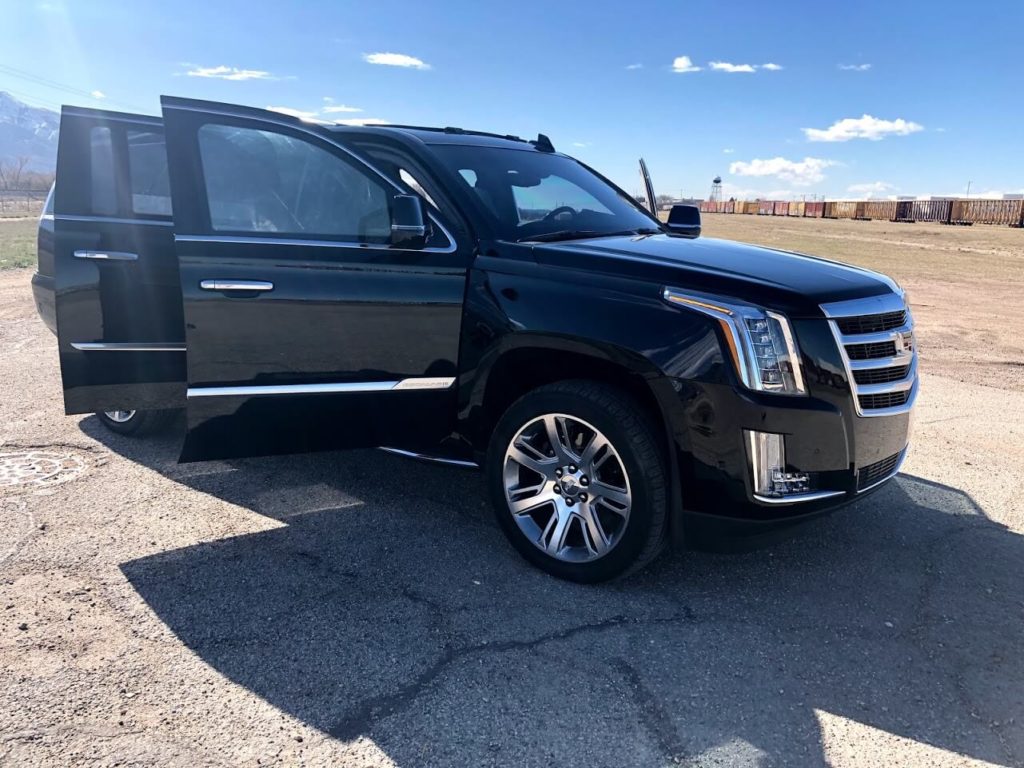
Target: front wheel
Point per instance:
(577, 480)
(135, 423)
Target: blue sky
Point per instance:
(878, 98)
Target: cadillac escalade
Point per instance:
(471, 298)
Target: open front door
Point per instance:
(118, 303)
(306, 329)
(645, 177)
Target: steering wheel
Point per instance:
(560, 209)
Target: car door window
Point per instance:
(102, 185)
(267, 182)
(147, 170)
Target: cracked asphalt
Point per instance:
(362, 609)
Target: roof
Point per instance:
(431, 135)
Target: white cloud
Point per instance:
(333, 109)
(634, 66)
(580, 144)
(684, 64)
(395, 60)
(799, 172)
(866, 127)
(725, 66)
(771, 67)
(98, 94)
(230, 73)
(362, 121)
(871, 188)
(855, 67)
(728, 151)
(299, 113)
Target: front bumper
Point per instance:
(844, 455)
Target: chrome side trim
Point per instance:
(112, 220)
(890, 476)
(322, 136)
(798, 498)
(236, 285)
(432, 459)
(322, 389)
(426, 382)
(107, 255)
(127, 346)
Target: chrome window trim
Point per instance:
(875, 305)
(109, 219)
(269, 119)
(107, 255)
(412, 383)
(127, 346)
(256, 240)
(890, 476)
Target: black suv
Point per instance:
(471, 298)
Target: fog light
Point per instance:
(766, 452)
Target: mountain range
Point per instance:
(27, 131)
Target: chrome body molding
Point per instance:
(904, 356)
(433, 459)
(323, 389)
(107, 255)
(797, 498)
(127, 346)
(236, 285)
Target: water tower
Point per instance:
(716, 190)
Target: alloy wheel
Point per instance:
(567, 488)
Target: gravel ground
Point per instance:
(362, 609)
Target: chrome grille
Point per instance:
(876, 339)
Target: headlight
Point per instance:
(761, 342)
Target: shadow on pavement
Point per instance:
(390, 607)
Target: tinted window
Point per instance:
(102, 189)
(147, 166)
(530, 194)
(258, 181)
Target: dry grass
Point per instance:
(17, 242)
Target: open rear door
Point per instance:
(118, 303)
(306, 328)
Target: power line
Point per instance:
(57, 86)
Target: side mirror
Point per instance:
(684, 220)
(408, 222)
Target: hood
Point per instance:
(790, 282)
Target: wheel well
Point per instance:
(519, 371)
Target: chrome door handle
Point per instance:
(107, 255)
(236, 285)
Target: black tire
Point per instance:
(631, 431)
(139, 424)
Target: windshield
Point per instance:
(530, 195)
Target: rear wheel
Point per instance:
(136, 423)
(577, 480)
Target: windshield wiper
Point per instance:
(580, 234)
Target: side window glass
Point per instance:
(259, 181)
(103, 189)
(147, 168)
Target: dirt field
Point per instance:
(361, 609)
